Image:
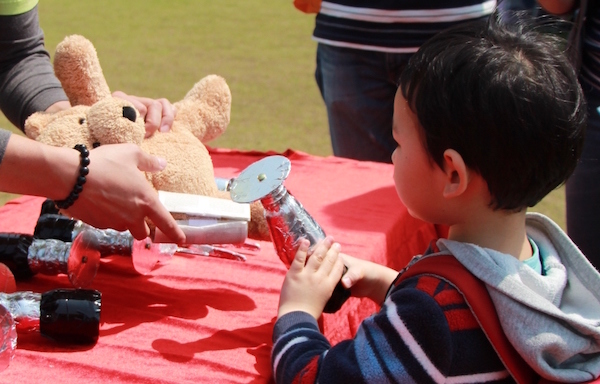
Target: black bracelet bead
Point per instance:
(84, 161)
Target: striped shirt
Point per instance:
(391, 25)
(424, 333)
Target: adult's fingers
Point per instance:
(150, 163)
(153, 117)
(159, 116)
(140, 103)
(157, 213)
(168, 112)
(140, 230)
(165, 222)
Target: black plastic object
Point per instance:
(14, 251)
(54, 226)
(338, 297)
(71, 315)
(48, 207)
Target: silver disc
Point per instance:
(259, 179)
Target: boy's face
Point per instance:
(416, 176)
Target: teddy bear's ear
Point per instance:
(206, 108)
(77, 66)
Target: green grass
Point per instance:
(160, 48)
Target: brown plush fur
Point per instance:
(97, 118)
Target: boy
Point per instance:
(488, 121)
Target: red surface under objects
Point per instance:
(209, 320)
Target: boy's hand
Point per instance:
(367, 279)
(308, 285)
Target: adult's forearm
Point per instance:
(32, 168)
(558, 7)
(116, 194)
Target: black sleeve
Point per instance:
(27, 81)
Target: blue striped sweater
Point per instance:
(391, 25)
(424, 333)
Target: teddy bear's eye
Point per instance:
(81, 121)
(129, 113)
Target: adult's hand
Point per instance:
(117, 194)
(157, 113)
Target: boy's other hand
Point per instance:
(366, 278)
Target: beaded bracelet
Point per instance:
(84, 155)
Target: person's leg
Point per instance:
(583, 190)
(358, 89)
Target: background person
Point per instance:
(362, 49)
(583, 187)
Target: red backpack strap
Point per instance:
(477, 297)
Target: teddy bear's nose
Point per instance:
(129, 113)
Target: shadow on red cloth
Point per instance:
(177, 352)
(130, 299)
(221, 340)
(35, 341)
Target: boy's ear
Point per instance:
(457, 174)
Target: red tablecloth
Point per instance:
(199, 319)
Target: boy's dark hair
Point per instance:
(506, 98)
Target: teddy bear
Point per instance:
(97, 118)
